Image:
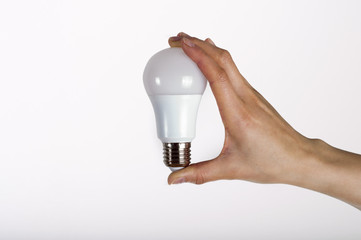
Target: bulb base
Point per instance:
(177, 154)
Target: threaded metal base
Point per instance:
(177, 154)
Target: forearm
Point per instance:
(331, 171)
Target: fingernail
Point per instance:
(179, 180)
(188, 42)
(175, 39)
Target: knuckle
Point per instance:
(224, 56)
(200, 179)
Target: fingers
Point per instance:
(220, 56)
(175, 41)
(198, 173)
(226, 98)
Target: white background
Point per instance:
(79, 156)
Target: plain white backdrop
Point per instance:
(79, 156)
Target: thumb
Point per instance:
(198, 173)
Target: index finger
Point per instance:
(227, 99)
(222, 57)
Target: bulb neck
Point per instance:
(177, 154)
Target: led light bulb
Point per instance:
(175, 86)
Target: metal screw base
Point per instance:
(177, 154)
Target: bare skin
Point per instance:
(260, 146)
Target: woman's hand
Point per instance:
(260, 146)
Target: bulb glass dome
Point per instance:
(172, 72)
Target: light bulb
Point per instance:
(175, 86)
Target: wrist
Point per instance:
(328, 170)
(307, 164)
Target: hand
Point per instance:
(260, 146)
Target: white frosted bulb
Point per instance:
(175, 86)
